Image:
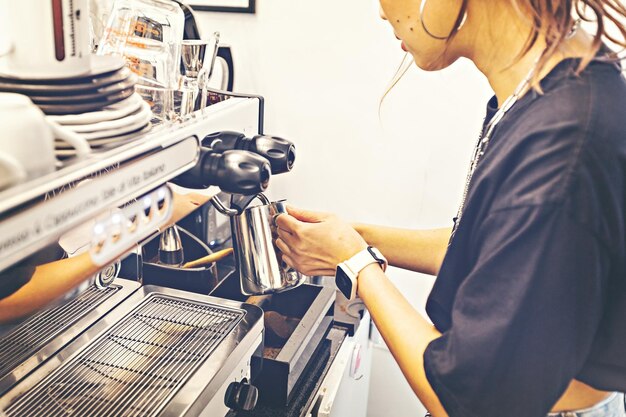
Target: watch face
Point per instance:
(344, 283)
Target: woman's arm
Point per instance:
(405, 331)
(416, 250)
(314, 243)
(50, 281)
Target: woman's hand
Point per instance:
(315, 243)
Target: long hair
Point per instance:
(554, 20)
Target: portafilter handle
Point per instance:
(235, 171)
(280, 152)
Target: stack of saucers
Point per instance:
(108, 82)
(100, 105)
(112, 126)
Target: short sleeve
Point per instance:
(18, 275)
(14, 278)
(523, 319)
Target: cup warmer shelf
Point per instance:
(38, 212)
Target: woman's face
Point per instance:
(439, 17)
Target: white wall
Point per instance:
(323, 67)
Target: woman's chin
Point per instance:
(430, 63)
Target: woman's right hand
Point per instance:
(314, 243)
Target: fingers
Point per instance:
(287, 223)
(288, 238)
(306, 215)
(290, 262)
(295, 218)
(283, 247)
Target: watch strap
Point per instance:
(364, 258)
(380, 258)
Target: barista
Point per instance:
(529, 305)
(39, 280)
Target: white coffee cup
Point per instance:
(44, 40)
(27, 140)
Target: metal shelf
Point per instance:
(36, 213)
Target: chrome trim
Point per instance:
(44, 345)
(327, 392)
(198, 389)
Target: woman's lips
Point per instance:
(402, 45)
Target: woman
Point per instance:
(529, 305)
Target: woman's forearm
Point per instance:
(52, 280)
(416, 250)
(405, 331)
(47, 283)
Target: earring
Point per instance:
(441, 38)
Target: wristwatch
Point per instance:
(348, 271)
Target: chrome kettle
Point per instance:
(259, 262)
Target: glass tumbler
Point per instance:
(148, 33)
(197, 60)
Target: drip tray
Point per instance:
(24, 346)
(142, 358)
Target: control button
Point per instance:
(241, 396)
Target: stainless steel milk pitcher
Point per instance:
(259, 262)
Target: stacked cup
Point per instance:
(49, 43)
(27, 140)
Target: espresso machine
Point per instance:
(297, 315)
(202, 318)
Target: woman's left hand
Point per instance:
(314, 243)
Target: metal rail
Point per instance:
(137, 366)
(27, 338)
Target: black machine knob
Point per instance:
(279, 152)
(234, 171)
(241, 396)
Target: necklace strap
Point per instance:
(483, 139)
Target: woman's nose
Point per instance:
(382, 13)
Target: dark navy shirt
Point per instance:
(532, 291)
(18, 275)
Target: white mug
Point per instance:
(27, 140)
(44, 39)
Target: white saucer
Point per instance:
(85, 107)
(94, 95)
(62, 151)
(118, 140)
(143, 114)
(119, 131)
(64, 89)
(112, 112)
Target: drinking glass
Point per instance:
(197, 60)
(161, 101)
(148, 33)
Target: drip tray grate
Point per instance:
(27, 338)
(136, 367)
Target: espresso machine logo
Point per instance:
(74, 184)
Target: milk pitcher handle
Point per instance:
(240, 202)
